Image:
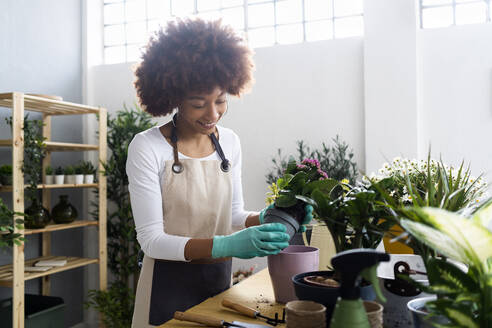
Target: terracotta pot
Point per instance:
(291, 261)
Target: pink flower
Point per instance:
(323, 174)
(311, 162)
(301, 166)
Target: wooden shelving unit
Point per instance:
(13, 275)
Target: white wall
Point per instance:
(457, 92)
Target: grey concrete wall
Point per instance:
(40, 52)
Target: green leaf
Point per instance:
(325, 186)
(484, 215)
(306, 200)
(286, 200)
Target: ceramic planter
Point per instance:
(59, 179)
(291, 261)
(64, 212)
(89, 178)
(79, 179)
(418, 313)
(49, 179)
(70, 179)
(325, 295)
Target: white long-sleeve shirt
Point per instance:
(145, 165)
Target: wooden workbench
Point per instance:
(255, 291)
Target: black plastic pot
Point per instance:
(327, 296)
(274, 215)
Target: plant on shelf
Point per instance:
(294, 190)
(464, 297)
(79, 174)
(69, 174)
(88, 170)
(6, 175)
(34, 151)
(116, 303)
(59, 176)
(69, 170)
(49, 178)
(7, 235)
(337, 161)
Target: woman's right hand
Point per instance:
(261, 240)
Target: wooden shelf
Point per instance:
(64, 226)
(48, 106)
(55, 186)
(6, 275)
(57, 146)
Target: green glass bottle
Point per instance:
(64, 212)
(37, 217)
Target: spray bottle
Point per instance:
(352, 265)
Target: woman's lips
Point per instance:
(207, 125)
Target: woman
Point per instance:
(185, 176)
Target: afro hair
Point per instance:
(191, 55)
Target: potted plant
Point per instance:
(79, 174)
(69, 174)
(59, 176)
(6, 175)
(89, 170)
(463, 294)
(420, 183)
(293, 191)
(49, 177)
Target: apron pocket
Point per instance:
(178, 286)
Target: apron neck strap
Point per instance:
(178, 167)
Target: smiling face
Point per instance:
(200, 112)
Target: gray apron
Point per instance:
(197, 203)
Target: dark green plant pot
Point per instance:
(6, 179)
(37, 217)
(64, 212)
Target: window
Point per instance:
(443, 13)
(129, 23)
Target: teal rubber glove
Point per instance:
(307, 218)
(262, 240)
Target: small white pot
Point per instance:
(70, 179)
(89, 178)
(48, 179)
(79, 179)
(59, 179)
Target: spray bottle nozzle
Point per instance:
(355, 263)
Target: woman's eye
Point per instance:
(198, 105)
(220, 101)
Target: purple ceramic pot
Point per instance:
(282, 267)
